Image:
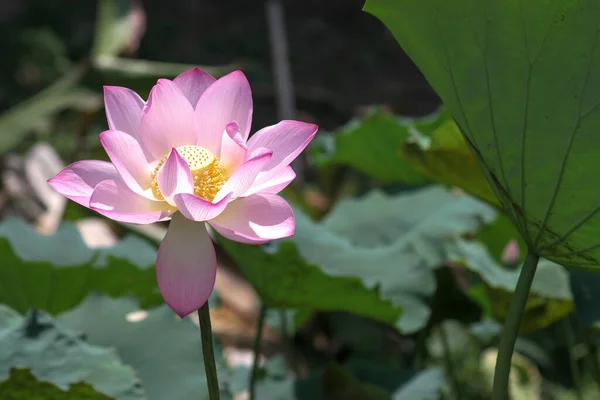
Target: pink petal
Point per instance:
(193, 83)
(123, 109)
(511, 252)
(233, 147)
(175, 177)
(78, 180)
(197, 209)
(256, 219)
(128, 158)
(228, 99)
(186, 265)
(286, 139)
(114, 199)
(275, 184)
(243, 178)
(167, 120)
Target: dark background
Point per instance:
(342, 58)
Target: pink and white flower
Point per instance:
(185, 155)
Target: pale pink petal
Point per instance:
(286, 139)
(128, 158)
(78, 180)
(114, 199)
(123, 110)
(275, 184)
(175, 177)
(193, 83)
(228, 99)
(243, 178)
(186, 265)
(233, 147)
(256, 219)
(167, 120)
(197, 209)
(511, 252)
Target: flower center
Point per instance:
(208, 173)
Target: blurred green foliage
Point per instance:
(394, 253)
(162, 349)
(58, 355)
(37, 272)
(23, 385)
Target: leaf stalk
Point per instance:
(511, 326)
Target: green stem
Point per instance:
(208, 353)
(511, 326)
(450, 364)
(570, 342)
(256, 349)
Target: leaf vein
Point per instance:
(566, 157)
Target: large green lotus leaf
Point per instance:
(163, 349)
(550, 299)
(521, 79)
(446, 158)
(58, 355)
(373, 145)
(23, 385)
(55, 273)
(372, 256)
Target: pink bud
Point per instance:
(510, 254)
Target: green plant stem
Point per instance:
(208, 353)
(450, 365)
(256, 349)
(570, 342)
(511, 326)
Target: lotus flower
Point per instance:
(184, 155)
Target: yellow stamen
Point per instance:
(208, 172)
